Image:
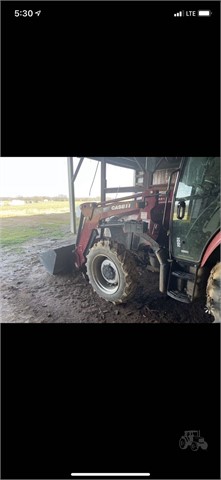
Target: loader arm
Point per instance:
(145, 207)
(92, 214)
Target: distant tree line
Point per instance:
(35, 198)
(58, 198)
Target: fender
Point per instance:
(216, 241)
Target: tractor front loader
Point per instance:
(113, 236)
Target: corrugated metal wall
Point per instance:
(162, 176)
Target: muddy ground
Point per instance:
(30, 295)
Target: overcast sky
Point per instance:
(48, 176)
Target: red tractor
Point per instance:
(175, 226)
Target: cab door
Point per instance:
(196, 212)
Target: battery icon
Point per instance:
(204, 13)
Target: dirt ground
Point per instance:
(31, 295)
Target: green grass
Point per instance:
(15, 231)
(10, 236)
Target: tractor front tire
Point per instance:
(213, 293)
(204, 446)
(112, 271)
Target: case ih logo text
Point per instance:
(119, 207)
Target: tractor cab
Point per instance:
(192, 433)
(195, 220)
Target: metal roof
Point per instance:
(139, 163)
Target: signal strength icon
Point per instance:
(178, 14)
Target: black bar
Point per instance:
(77, 169)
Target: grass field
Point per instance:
(21, 223)
(17, 230)
(37, 208)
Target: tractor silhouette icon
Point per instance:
(192, 439)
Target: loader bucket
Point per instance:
(58, 260)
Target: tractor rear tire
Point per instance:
(112, 271)
(213, 293)
(183, 443)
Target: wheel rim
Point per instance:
(105, 274)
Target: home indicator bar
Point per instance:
(105, 475)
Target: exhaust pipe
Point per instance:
(162, 257)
